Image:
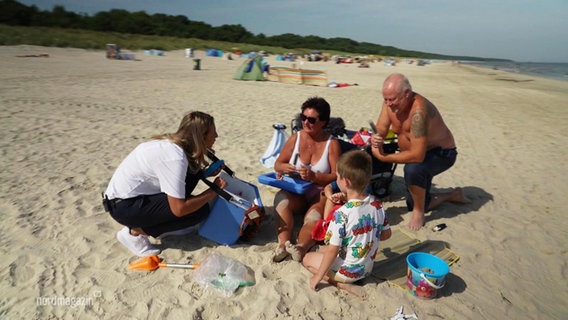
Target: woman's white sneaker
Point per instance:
(139, 245)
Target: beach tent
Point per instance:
(214, 53)
(251, 69)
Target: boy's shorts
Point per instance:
(334, 276)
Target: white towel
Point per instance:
(273, 151)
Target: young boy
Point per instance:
(353, 233)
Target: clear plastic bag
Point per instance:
(223, 274)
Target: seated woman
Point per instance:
(150, 191)
(309, 154)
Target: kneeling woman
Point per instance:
(150, 191)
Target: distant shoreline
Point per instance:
(554, 71)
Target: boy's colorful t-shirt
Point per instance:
(355, 228)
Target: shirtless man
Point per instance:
(427, 146)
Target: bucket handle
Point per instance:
(430, 283)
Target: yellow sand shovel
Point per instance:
(154, 262)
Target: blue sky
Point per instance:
(520, 30)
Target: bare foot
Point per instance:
(353, 289)
(280, 254)
(416, 221)
(296, 251)
(458, 196)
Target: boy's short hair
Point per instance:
(356, 165)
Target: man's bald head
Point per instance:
(397, 82)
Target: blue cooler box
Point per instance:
(223, 225)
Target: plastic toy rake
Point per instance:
(154, 262)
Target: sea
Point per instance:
(557, 71)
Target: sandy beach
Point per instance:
(67, 120)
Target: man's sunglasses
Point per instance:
(311, 120)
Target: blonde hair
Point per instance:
(355, 165)
(190, 136)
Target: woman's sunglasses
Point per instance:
(311, 120)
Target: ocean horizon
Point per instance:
(557, 71)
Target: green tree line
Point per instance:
(121, 21)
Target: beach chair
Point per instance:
(383, 172)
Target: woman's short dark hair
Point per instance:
(320, 105)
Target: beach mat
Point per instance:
(390, 263)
